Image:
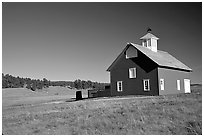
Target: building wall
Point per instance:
(104, 93)
(154, 44)
(170, 77)
(146, 69)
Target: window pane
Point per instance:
(146, 85)
(119, 86)
(132, 72)
(178, 85)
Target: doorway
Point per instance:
(187, 87)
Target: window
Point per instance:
(162, 84)
(131, 52)
(146, 84)
(148, 43)
(132, 72)
(119, 86)
(187, 87)
(178, 85)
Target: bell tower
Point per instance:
(149, 41)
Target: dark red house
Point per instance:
(144, 70)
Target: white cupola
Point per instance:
(149, 41)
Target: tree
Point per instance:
(33, 87)
(78, 84)
(89, 83)
(9, 81)
(17, 82)
(28, 85)
(50, 83)
(45, 83)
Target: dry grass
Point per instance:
(171, 114)
(23, 96)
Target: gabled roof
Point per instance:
(161, 58)
(118, 57)
(148, 36)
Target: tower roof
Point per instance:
(149, 36)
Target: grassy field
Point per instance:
(21, 96)
(170, 114)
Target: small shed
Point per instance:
(92, 93)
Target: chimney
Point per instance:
(149, 41)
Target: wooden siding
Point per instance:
(146, 69)
(103, 93)
(170, 77)
(92, 93)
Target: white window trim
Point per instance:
(132, 71)
(118, 83)
(178, 84)
(144, 80)
(162, 87)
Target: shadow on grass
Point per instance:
(74, 99)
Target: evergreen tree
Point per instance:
(33, 87)
(28, 85)
(9, 81)
(45, 83)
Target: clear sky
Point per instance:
(68, 41)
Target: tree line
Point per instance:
(9, 81)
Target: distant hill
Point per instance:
(9, 81)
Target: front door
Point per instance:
(187, 87)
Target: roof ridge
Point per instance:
(162, 58)
(142, 46)
(155, 57)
